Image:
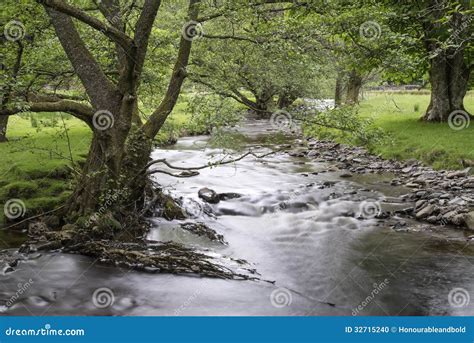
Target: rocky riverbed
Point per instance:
(440, 197)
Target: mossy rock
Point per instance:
(65, 195)
(170, 210)
(37, 174)
(40, 205)
(21, 189)
(57, 188)
(63, 172)
(44, 183)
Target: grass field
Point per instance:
(434, 144)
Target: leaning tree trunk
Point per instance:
(449, 77)
(3, 128)
(354, 85)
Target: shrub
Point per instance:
(343, 124)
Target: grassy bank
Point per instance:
(434, 144)
(41, 149)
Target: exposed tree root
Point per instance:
(129, 248)
(203, 230)
(160, 257)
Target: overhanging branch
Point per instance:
(114, 34)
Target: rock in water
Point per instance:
(425, 212)
(469, 220)
(228, 196)
(209, 195)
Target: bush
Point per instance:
(343, 124)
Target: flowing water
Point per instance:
(296, 224)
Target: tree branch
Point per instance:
(74, 108)
(115, 35)
(158, 117)
(99, 88)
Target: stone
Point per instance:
(208, 195)
(51, 221)
(449, 216)
(345, 175)
(420, 203)
(458, 219)
(459, 173)
(229, 195)
(457, 201)
(469, 220)
(425, 212)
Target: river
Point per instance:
(295, 227)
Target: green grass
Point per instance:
(434, 144)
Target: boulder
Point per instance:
(425, 212)
(469, 220)
(229, 195)
(209, 195)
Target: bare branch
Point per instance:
(223, 161)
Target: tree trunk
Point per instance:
(353, 88)
(339, 89)
(3, 128)
(449, 76)
(285, 100)
(114, 166)
(264, 103)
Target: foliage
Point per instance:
(344, 124)
(210, 112)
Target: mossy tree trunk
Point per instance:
(354, 85)
(449, 77)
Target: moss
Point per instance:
(62, 172)
(57, 188)
(37, 174)
(21, 189)
(43, 204)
